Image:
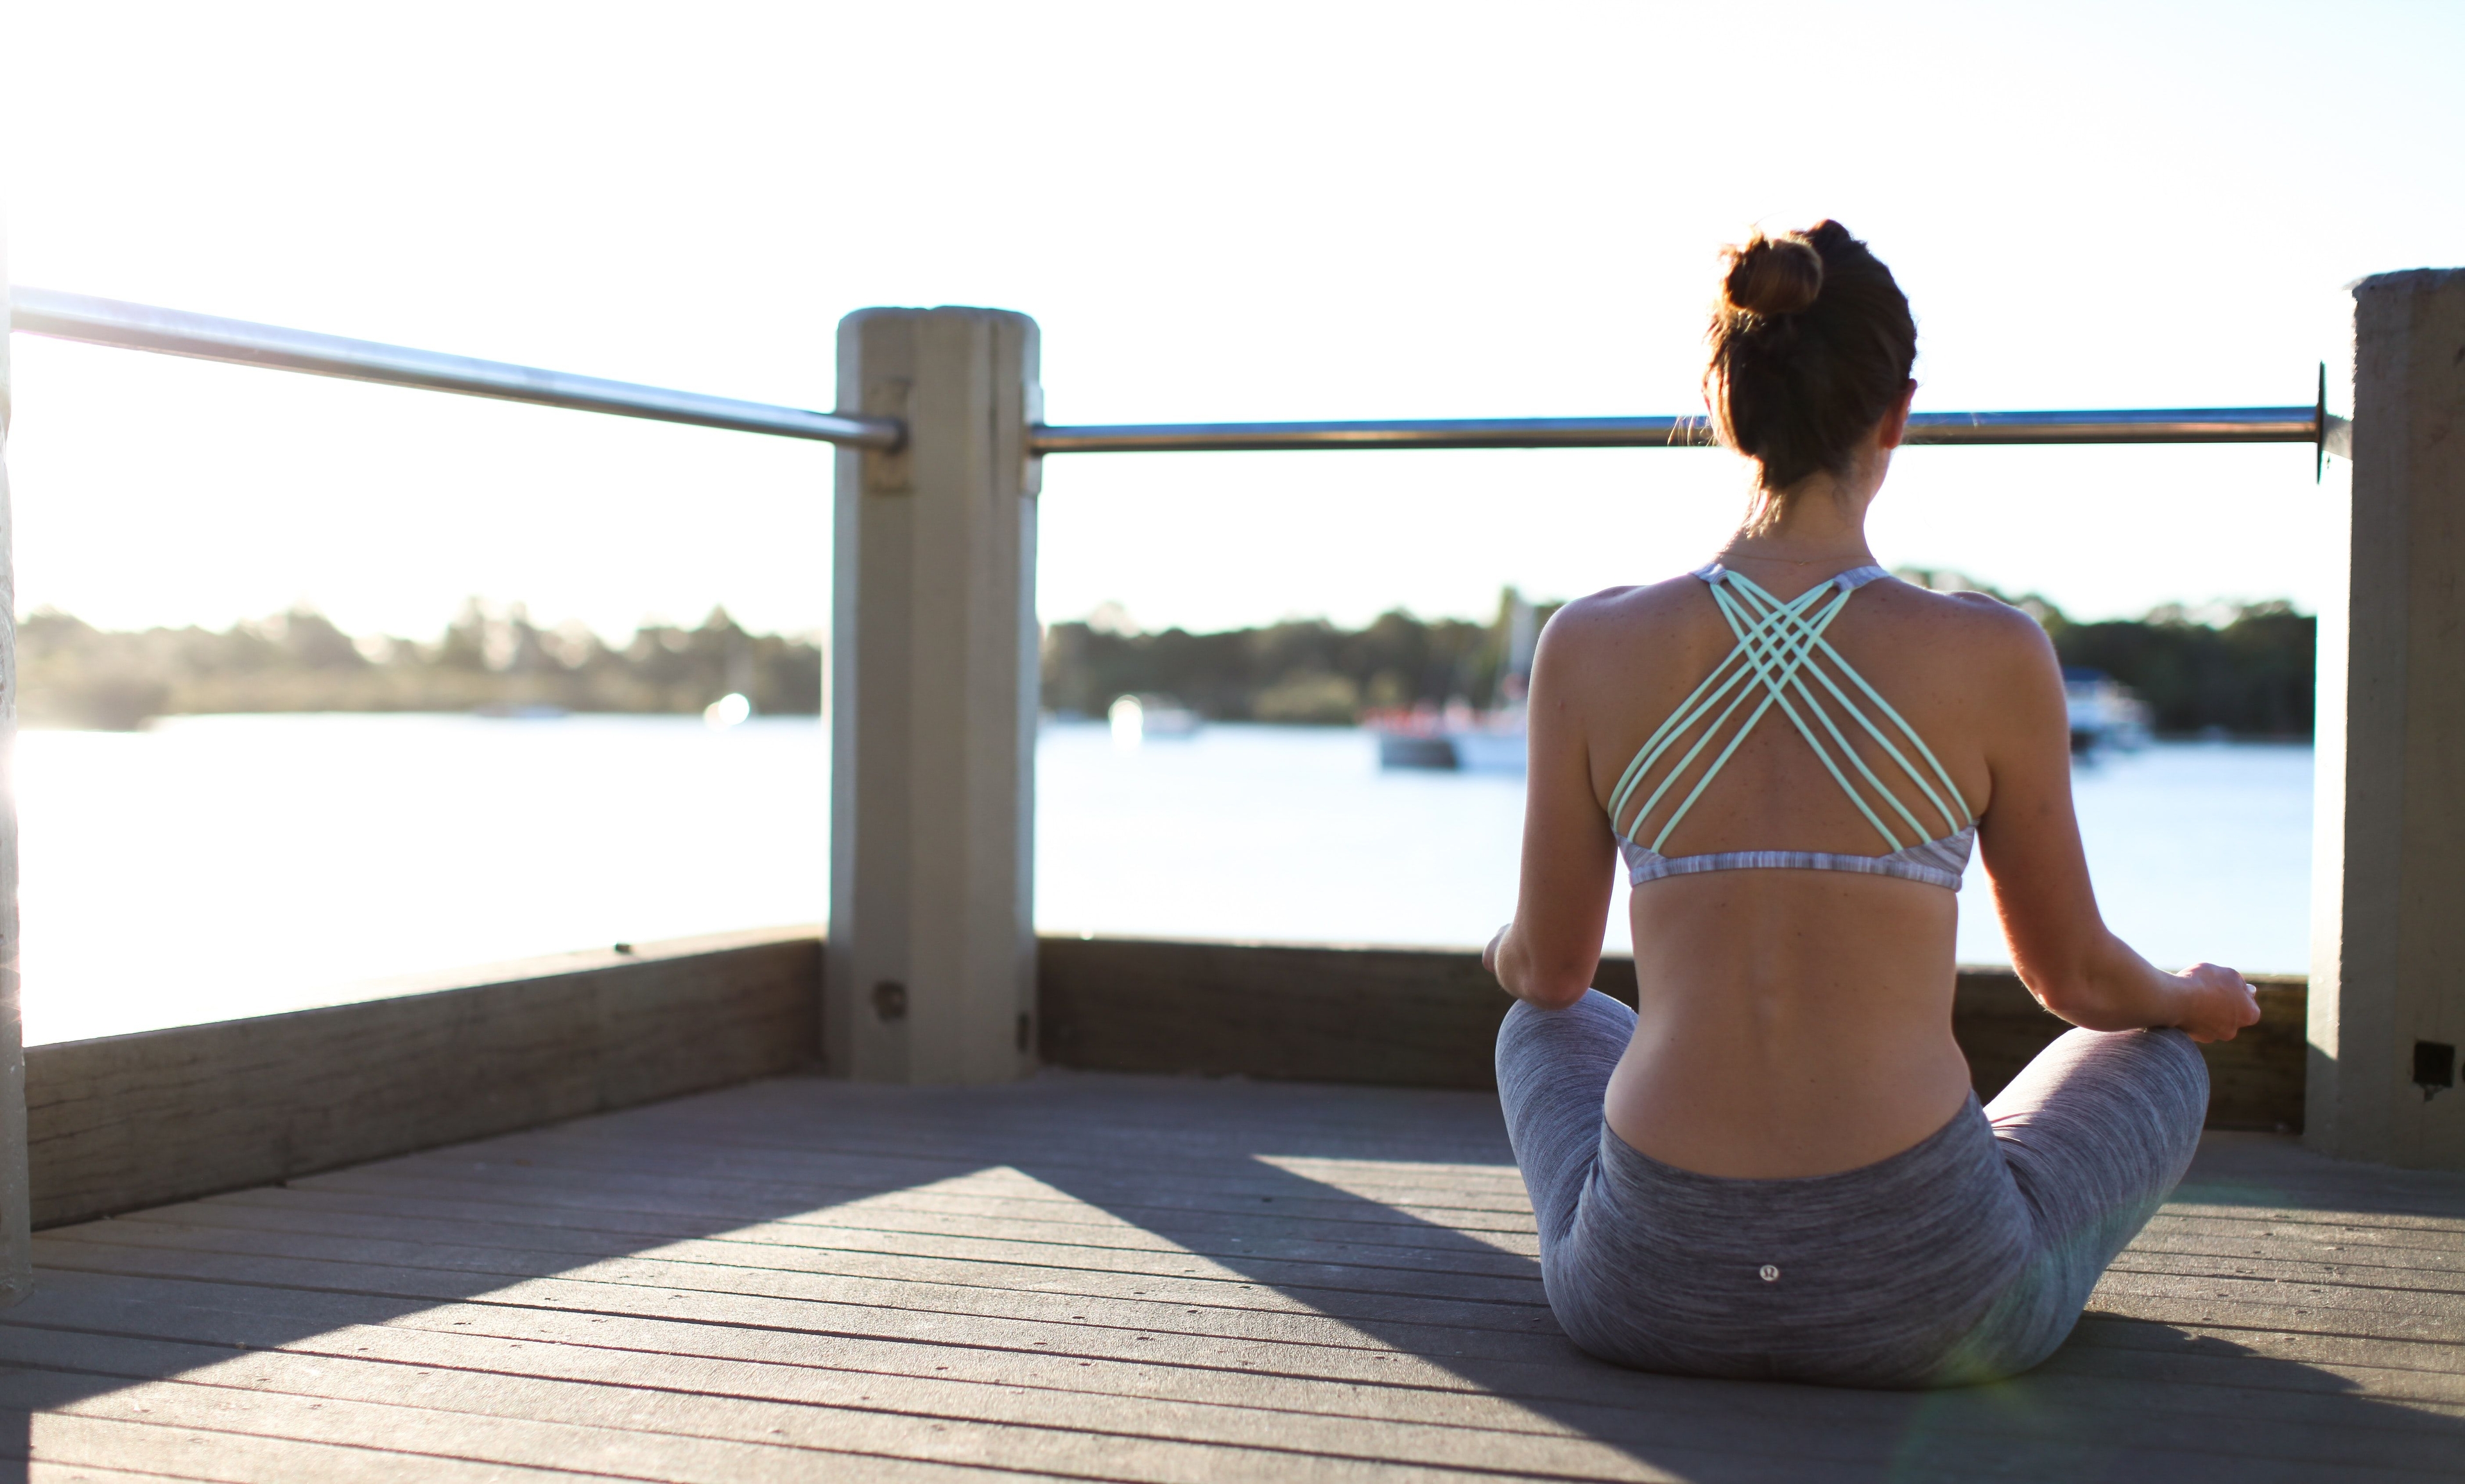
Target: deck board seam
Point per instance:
(1036, 1209)
(1282, 1218)
(2326, 1302)
(348, 1357)
(1228, 1192)
(1984, 1430)
(920, 1309)
(1474, 1470)
(571, 1276)
(75, 1234)
(486, 1300)
(1173, 1159)
(357, 1447)
(1515, 1396)
(2340, 1285)
(1505, 1434)
(2209, 1448)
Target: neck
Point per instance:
(1821, 520)
(1802, 544)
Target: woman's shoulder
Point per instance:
(1615, 618)
(1615, 607)
(1971, 619)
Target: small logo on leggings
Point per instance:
(1768, 1274)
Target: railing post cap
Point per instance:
(2406, 280)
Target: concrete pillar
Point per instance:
(930, 969)
(2388, 956)
(16, 1263)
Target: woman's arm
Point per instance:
(1549, 954)
(2059, 943)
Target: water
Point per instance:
(2198, 849)
(223, 866)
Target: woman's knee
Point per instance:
(2165, 1067)
(1594, 1020)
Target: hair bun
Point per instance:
(1770, 277)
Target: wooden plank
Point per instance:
(135, 1120)
(995, 1170)
(396, 1441)
(1056, 1184)
(1429, 1018)
(987, 1258)
(66, 1445)
(1619, 1392)
(1340, 1293)
(2441, 1272)
(932, 1418)
(1302, 1268)
(2298, 1356)
(1373, 1385)
(43, 1470)
(997, 1387)
(1415, 1352)
(844, 1156)
(2427, 1315)
(1072, 1197)
(646, 1284)
(1780, 1421)
(2329, 1222)
(755, 1201)
(1389, 1016)
(795, 1247)
(1059, 1279)
(1035, 1427)
(890, 1223)
(1637, 1408)
(1197, 1308)
(2144, 1256)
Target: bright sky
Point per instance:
(1313, 211)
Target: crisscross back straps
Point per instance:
(1780, 646)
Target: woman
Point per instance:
(1777, 1168)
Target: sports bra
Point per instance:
(1780, 647)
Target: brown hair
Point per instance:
(1811, 343)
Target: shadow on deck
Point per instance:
(1124, 1277)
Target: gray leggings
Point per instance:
(1966, 1258)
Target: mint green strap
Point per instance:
(1777, 676)
(1777, 645)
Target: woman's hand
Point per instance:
(2217, 1003)
(1489, 955)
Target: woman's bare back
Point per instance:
(1791, 1021)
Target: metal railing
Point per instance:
(2179, 425)
(105, 321)
(174, 332)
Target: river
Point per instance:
(214, 867)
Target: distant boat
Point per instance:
(2104, 713)
(1149, 716)
(1456, 738)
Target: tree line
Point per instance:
(2246, 671)
(489, 659)
(1303, 671)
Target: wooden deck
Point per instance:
(1141, 1279)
